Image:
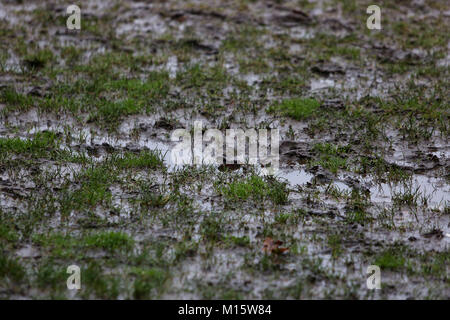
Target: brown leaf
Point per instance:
(270, 246)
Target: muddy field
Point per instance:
(85, 174)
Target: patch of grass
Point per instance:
(104, 66)
(212, 228)
(290, 84)
(220, 291)
(149, 283)
(336, 192)
(11, 268)
(244, 189)
(331, 149)
(283, 218)
(38, 59)
(7, 230)
(93, 190)
(245, 36)
(417, 112)
(356, 208)
(60, 245)
(43, 144)
(155, 86)
(231, 294)
(196, 76)
(15, 101)
(331, 156)
(109, 113)
(256, 188)
(357, 216)
(71, 53)
(390, 259)
(332, 163)
(41, 141)
(185, 249)
(253, 65)
(152, 199)
(66, 246)
(145, 159)
(335, 243)
(52, 276)
(278, 192)
(349, 52)
(94, 281)
(233, 43)
(238, 241)
(380, 169)
(325, 46)
(435, 264)
(109, 240)
(297, 108)
(409, 195)
(421, 34)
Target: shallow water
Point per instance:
(434, 191)
(318, 84)
(295, 177)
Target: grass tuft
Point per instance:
(297, 108)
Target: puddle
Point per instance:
(251, 78)
(295, 177)
(152, 24)
(172, 66)
(321, 84)
(434, 191)
(301, 33)
(28, 252)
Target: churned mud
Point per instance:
(86, 176)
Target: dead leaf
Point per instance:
(270, 246)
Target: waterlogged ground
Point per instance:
(86, 118)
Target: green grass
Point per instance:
(199, 77)
(132, 96)
(297, 108)
(409, 195)
(290, 84)
(10, 268)
(212, 227)
(144, 159)
(41, 142)
(96, 283)
(93, 189)
(45, 144)
(283, 218)
(67, 246)
(7, 232)
(331, 157)
(335, 243)
(149, 282)
(52, 276)
(390, 259)
(332, 163)
(38, 59)
(15, 101)
(110, 241)
(357, 205)
(110, 112)
(238, 241)
(156, 85)
(256, 188)
(60, 244)
(434, 264)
